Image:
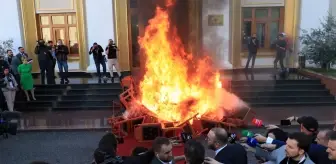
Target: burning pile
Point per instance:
(177, 86)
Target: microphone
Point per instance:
(252, 142)
(247, 133)
(257, 122)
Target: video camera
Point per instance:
(7, 123)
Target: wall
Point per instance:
(10, 19)
(100, 24)
(216, 38)
(311, 19)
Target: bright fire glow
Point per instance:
(176, 86)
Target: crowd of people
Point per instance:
(307, 146)
(16, 70)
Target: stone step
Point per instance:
(288, 99)
(279, 87)
(276, 82)
(85, 103)
(93, 91)
(270, 93)
(93, 97)
(79, 86)
(292, 104)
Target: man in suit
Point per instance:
(225, 153)
(294, 152)
(45, 61)
(194, 152)
(253, 45)
(162, 148)
(16, 61)
(332, 147)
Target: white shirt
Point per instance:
(220, 149)
(164, 162)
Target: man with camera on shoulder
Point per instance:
(45, 61)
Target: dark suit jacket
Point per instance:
(156, 161)
(317, 153)
(232, 154)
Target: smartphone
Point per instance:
(285, 122)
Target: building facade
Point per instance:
(216, 26)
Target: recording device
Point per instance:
(232, 138)
(7, 125)
(285, 123)
(186, 137)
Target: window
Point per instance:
(59, 26)
(266, 23)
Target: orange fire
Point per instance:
(176, 86)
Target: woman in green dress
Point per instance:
(27, 82)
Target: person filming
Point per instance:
(98, 58)
(111, 51)
(45, 61)
(62, 52)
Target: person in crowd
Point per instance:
(332, 147)
(62, 52)
(98, 58)
(106, 153)
(162, 148)
(253, 45)
(309, 126)
(3, 64)
(280, 45)
(51, 48)
(322, 137)
(10, 89)
(194, 152)
(9, 57)
(17, 60)
(277, 134)
(217, 139)
(111, 51)
(27, 82)
(294, 152)
(45, 61)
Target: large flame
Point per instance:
(176, 86)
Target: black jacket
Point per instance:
(97, 53)
(62, 52)
(253, 46)
(232, 154)
(43, 53)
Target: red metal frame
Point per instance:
(128, 96)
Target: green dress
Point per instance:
(27, 82)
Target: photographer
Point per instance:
(111, 51)
(62, 52)
(10, 88)
(99, 58)
(45, 60)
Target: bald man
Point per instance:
(322, 137)
(217, 139)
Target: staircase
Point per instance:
(259, 93)
(72, 97)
